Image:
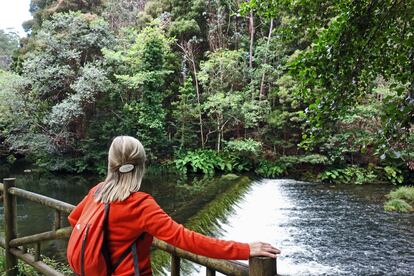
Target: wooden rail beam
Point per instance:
(226, 267)
(38, 265)
(45, 236)
(43, 200)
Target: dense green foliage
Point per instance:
(304, 88)
(350, 175)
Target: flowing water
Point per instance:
(325, 230)
(321, 229)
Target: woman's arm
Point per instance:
(161, 226)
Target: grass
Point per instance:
(397, 205)
(406, 193)
(400, 200)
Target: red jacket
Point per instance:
(140, 213)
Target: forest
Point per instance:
(310, 89)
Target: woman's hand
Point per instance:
(261, 249)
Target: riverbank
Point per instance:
(207, 163)
(313, 167)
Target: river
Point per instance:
(325, 229)
(321, 229)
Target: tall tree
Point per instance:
(188, 48)
(66, 78)
(9, 42)
(142, 70)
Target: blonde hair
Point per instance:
(118, 185)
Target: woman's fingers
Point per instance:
(263, 249)
(268, 252)
(269, 248)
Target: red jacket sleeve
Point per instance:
(161, 226)
(75, 214)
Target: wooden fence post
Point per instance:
(9, 203)
(210, 272)
(262, 266)
(175, 265)
(57, 224)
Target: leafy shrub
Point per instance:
(242, 154)
(238, 155)
(236, 162)
(270, 169)
(394, 175)
(349, 175)
(205, 161)
(244, 146)
(276, 168)
(11, 159)
(314, 159)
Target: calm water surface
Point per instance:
(321, 229)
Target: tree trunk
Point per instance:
(251, 29)
(198, 100)
(199, 106)
(262, 92)
(218, 138)
(218, 134)
(187, 49)
(182, 133)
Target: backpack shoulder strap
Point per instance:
(105, 247)
(134, 251)
(131, 249)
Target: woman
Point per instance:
(135, 218)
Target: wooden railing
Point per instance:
(16, 247)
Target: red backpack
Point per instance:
(88, 252)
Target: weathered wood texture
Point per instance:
(43, 200)
(37, 256)
(210, 272)
(175, 265)
(45, 236)
(262, 266)
(9, 203)
(58, 220)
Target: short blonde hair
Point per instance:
(119, 185)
